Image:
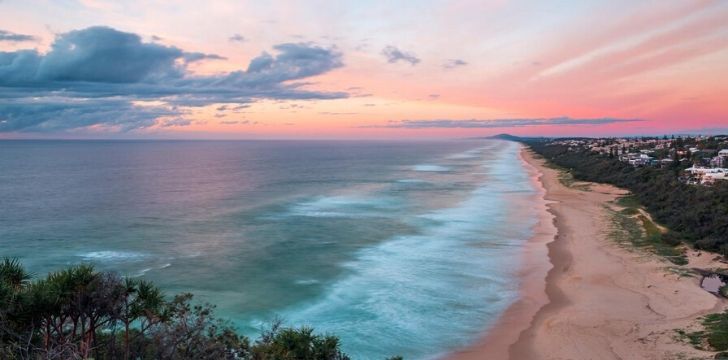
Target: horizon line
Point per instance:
(408, 139)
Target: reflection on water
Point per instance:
(400, 248)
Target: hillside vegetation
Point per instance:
(695, 214)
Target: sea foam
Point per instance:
(430, 168)
(111, 255)
(341, 206)
(433, 291)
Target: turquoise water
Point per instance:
(406, 248)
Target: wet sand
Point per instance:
(585, 297)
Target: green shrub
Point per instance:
(716, 330)
(81, 313)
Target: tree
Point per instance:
(296, 344)
(76, 313)
(13, 275)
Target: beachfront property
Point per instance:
(705, 175)
(638, 159)
(721, 160)
(714, 171)
(699, 156)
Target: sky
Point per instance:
(361, 69)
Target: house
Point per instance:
(719, 161)
(628, 157)
(712, 177)
(697, 170)
(703, 175)
(640, 160)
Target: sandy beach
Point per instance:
(583, 296)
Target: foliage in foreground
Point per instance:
(81, 313)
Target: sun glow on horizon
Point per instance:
(349, 70)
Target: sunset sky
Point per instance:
(361, 69)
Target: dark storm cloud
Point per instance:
(111, 69)
(393, 55)
(498, 123)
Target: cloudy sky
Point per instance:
(361, 69)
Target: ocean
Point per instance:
(399, 248)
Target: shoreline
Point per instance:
(587, 297)
(535, 264)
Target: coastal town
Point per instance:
(702, 160)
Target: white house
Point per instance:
(711, 177)
(708, 175)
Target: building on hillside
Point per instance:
(721, 160)
(641, 160)
(705, 175)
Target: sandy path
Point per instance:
(601, 301)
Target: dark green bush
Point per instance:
(80, 313)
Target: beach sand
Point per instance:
(583, 296)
